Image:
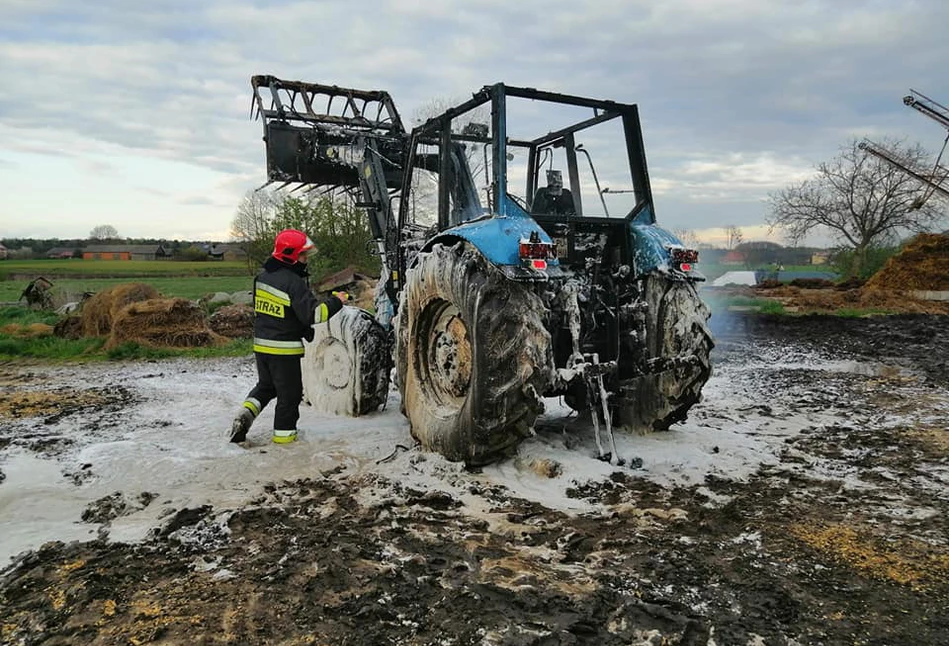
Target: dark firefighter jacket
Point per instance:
(285, 309)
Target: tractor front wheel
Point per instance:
(346, 365)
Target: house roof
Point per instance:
(58, 251)
(221, 248)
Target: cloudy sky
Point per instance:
(135, 114)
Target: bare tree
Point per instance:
(253, 226)
(859, 199)
(688, 237)
(103, 232)
(733, 236)
(474, 152)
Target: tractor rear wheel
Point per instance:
(679, 342)
(472, 355)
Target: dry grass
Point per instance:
(919, 566)
(29, 331)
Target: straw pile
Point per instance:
(163, 322)
(100, 311)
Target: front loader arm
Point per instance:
(314, 134)
(331, 137)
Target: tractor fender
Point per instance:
(650, 246)
(496, 236)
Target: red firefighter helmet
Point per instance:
(290, 244)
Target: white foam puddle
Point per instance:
(37, 504)
(172, 444)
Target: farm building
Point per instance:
(125, 252)
(219, 251)
(61, 252)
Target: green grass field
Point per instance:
(71, 278)
(121, 268)
(191, 287)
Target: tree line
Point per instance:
(40, 246)
(339, 230)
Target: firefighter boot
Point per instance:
(284, 437)
(241, 425)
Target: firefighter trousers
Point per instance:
(278, 377)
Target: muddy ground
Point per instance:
(804, 502)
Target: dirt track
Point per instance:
(837, 536)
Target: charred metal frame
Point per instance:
(328, 136)
(356, 104)
(437, 131)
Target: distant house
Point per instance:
(231, 252)
(61, 252)
(125, 252)
(4, 253)
(221, 251)
(820, 257)
(734, 258)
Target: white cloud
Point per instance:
(737, 97)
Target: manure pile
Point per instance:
(233, 321)
(100, 310)
(922, 265)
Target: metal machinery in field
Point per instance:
(935, 179)
(497, 290)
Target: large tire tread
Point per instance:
(510, 356)
(676, 326)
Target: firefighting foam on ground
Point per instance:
(803, 501)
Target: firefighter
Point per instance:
(284, 313)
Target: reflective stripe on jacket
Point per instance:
(285, 308)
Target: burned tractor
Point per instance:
(498, 290)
